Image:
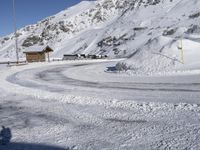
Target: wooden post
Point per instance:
(48, 57)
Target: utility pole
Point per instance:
(182, 53)
(180, 47)
(15, 32)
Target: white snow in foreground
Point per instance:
(45, 104)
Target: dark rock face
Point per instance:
(30, 41)
(49, 30)
(193, 29)
(169, 32)
(195, 15)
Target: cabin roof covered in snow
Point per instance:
(38, 49)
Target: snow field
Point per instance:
(81, 122)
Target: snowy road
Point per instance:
(46, 106)
(60, 78)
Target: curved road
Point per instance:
(54, 80)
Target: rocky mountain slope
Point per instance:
(146, 32)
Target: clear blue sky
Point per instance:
(29, 12)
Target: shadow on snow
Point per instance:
(26, 146)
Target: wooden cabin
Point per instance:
(38, 53)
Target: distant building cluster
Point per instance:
(82, 56)
(41, 54)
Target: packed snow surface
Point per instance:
(79, 105)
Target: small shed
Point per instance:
(70, 56)
(38, 53)
(92, 56)
(83, 55)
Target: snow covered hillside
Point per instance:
(146, 32)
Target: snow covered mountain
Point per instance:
(146, 32)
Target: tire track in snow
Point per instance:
(50, 75)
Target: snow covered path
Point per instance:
(86, 80)
(44, 105)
